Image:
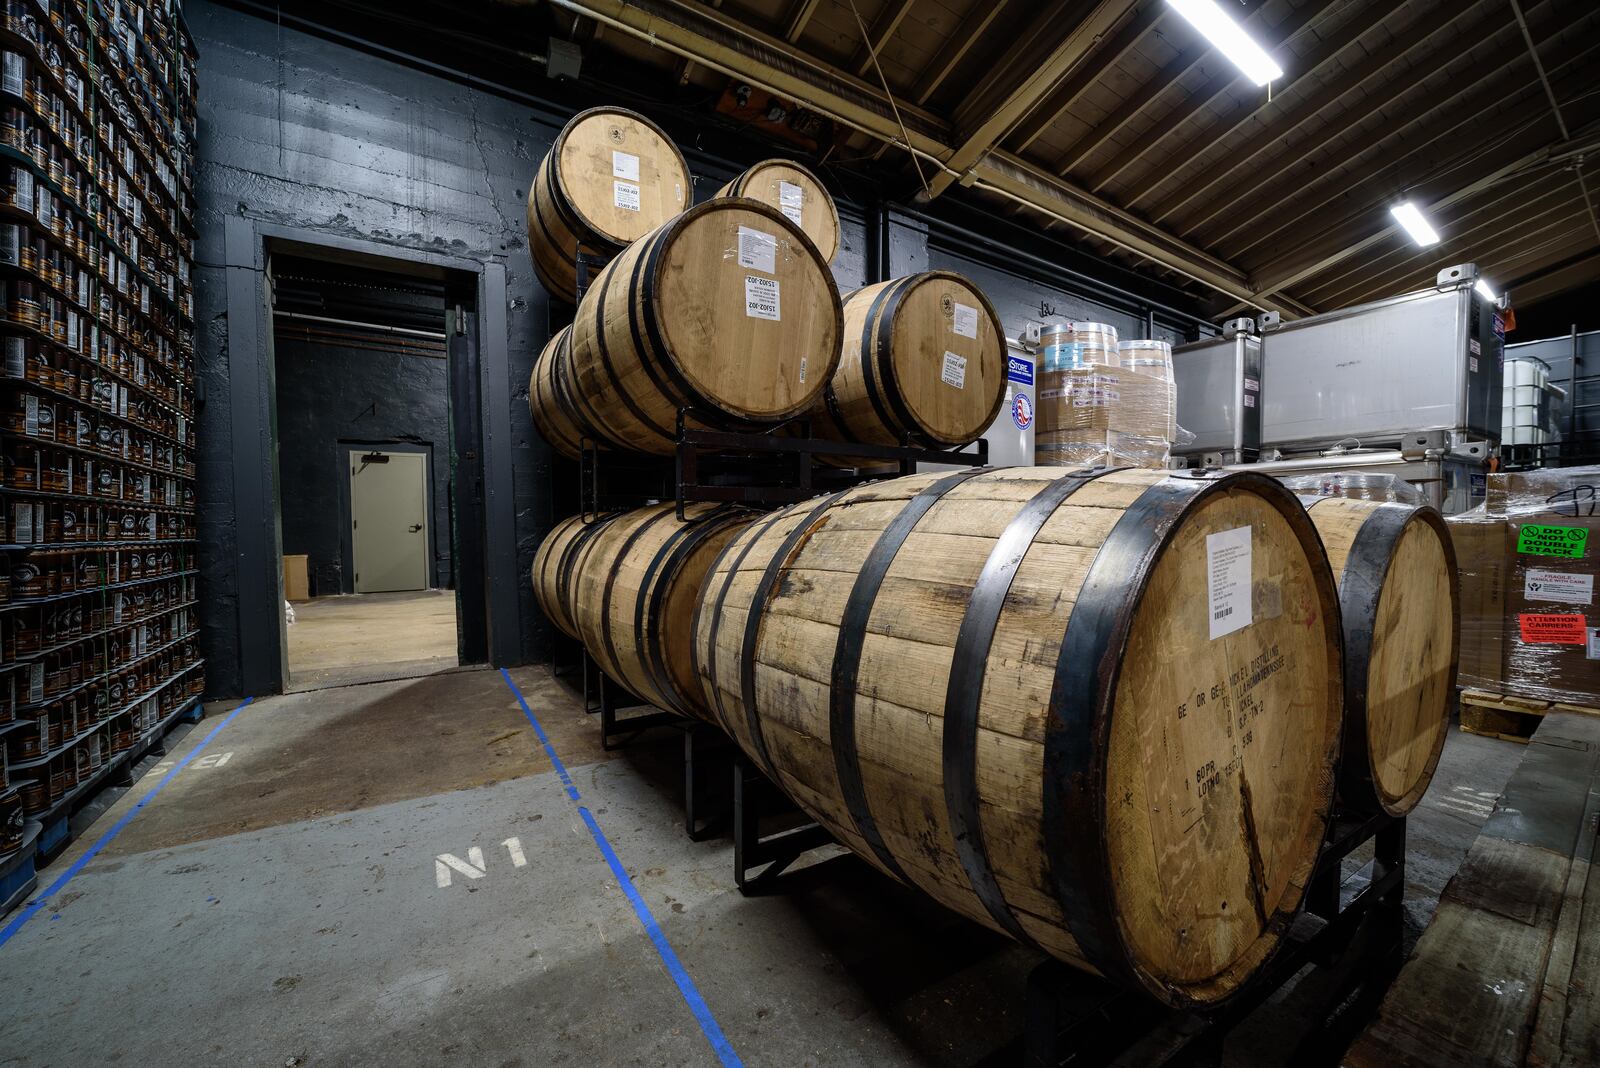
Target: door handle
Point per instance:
(415, 527)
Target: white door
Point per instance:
(389, 520)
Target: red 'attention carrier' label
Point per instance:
(1552, 628)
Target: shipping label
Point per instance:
(1541, 585)
(1553, 628)
(1538, 540)
(762, 298)
(1592, 649)
(625, 165)
(757, 251)
(965, 321)
(1228, 580)
(955, 371)
(791, 201)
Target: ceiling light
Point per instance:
(1229, 38)
(1416, 224)
(1485, 292)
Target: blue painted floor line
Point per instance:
(56, 887)
(669, 957)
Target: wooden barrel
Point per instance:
(924, 358)
(1398, 592)
(611, 177)
(636, 593)
(549, 398)
(728, 310)
(1096, 711)
(555, 568)
(799, 194)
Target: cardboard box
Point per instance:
(296, 580)
(1102, 399)
(1480, 545)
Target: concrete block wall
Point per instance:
(300, 131)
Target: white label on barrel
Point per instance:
(966, 321)
(1541, 585)
(802, 369)
(762, 298)
(625, 165)
(955, 371)
(1228, 580)
(625, 195)
(757, 251)
(791, 199)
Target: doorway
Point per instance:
(362, 381)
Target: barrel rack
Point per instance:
(1350, 931)
(764, 467)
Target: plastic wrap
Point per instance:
(1074, 344)
(1101, 414)
(1526, 557)
(1356, 485)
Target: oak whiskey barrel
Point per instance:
(555, 414)
(1096, 711)
(555, 568)
(635, 596)
(799, 194)
(611, 177)
(924, 359)
(728, 310)
(1399, 596)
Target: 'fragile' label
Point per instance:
(1541, 585)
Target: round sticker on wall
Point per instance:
(1022, 411)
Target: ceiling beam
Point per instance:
(1185, 61)
(798, 17)
(1516, 233)
(967, 34)
(1109, 54)
(1196, 102)
(1579, 269)
(1273, 277)
(1513, 205)
(1003, 99)
(882, 29)
(1468, 95)
(1555, 107)
(1234, 186)
(1460, 126)
(1266, 104)
(697, 32)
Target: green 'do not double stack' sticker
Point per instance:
(1538, 540)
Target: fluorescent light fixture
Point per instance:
(1229, 38)
(1416, 224)
(1485, 292)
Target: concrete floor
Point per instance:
(371, 637)
(280, 903)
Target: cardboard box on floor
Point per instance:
(296, 580)
(1529, 625)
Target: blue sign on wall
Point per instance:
(1019, 370)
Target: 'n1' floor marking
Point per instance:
(669, 956)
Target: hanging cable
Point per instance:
(872, 53)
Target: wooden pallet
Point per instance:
(1507, 716)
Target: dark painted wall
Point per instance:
(299, 131)
(329, 394)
